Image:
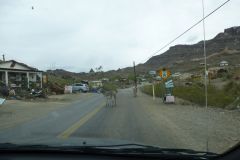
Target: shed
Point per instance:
(223, 63)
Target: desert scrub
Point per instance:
(109, 87)
(159, 90)
(196, 94)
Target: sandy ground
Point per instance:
(193, 125)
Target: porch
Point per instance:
(21, 79)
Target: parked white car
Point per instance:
(80, 87)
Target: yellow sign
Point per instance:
(164, 73)
(45, 79)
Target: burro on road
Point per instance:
(111, 98)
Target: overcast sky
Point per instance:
(77, 35)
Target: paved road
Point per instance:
(133, 120)
(54, 122)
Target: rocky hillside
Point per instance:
(225, 46)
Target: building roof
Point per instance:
(96, 81)
(13, 63)
(223, 62)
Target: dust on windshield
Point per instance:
(157, 73)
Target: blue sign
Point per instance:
(169, 84)
(164, 74)
(2, 101)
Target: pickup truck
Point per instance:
(80, 87)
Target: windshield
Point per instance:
(101, 72)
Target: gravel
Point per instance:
(193, 125)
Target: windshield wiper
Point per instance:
(153, 150)
(11, 146)
(122, 149)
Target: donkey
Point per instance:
(111, 98)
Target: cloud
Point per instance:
(192, 39)
(80, 35)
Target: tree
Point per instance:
(91, 71)
(109, 87)
(99, 69)
(131, 77)
(116, 77)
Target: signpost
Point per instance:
(165, 74)
(153, 89)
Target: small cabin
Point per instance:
(223, 63)
(153, 73)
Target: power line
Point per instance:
(180, 35)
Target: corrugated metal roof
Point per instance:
(223, 62)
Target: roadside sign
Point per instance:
(45, 79)
(169, 84)
(164, 73)
(68, 89)
(158, 78)
(2, 101)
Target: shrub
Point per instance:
(196, 94)
(159, 90)
(109, 87)
(232, 88)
